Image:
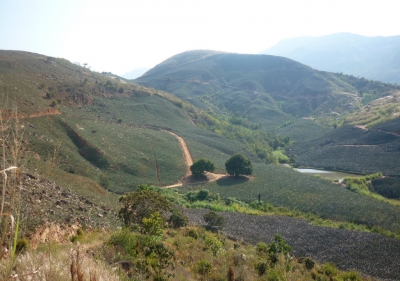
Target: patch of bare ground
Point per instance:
(368, 253)
(46, 207)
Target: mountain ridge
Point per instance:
(370, 57)
(257, 84)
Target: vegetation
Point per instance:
(238, 164)
(201, 166)
(349, 148)
(284, 187)
(142, 203)
(214, 220)
(387, 187)
(117, 134)
(243, 85)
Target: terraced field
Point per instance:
(369, 253)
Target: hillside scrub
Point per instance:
(173, 255)
(241, 130)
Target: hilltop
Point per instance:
(370, 57)
(264, 89)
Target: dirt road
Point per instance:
(188, 179)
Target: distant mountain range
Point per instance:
(137, 72)
(376, 58)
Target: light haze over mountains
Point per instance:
(376, 58)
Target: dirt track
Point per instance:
(188, 179)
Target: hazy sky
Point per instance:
(122, 35)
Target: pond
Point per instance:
(324, 173)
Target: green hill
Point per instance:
(353, 149)
(265, 89)
(100, 127)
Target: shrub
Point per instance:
(262, 248)
(272, 275)
(193, 233)
(178, 219)
(279, 246)
(142, 203)
(214, 244)
(126, 241)
(153, 224)
(329, 269)
(309, 263)
(261, 268)
(350, 276)
(214, 220)
(79, 235)
(202, 194)
(203, 267)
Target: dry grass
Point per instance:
(55, 262)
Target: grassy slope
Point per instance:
(93, 102)
(285, 187)
(266, 89)
(352, 149)
(303, 129)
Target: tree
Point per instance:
(141, 204)
(214, 220)
(178, 219)
(201, 166)
(238, 164)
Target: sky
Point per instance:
(122, 35)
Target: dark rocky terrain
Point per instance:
(370, 253)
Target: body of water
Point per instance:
(324, 173)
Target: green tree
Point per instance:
(238, 164)
(141, 204)
(201, 166)
(214, 220)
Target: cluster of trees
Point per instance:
(237, 165)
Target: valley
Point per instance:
(83, 139)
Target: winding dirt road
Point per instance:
(188, 179)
